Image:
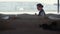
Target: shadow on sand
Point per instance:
(53, 26)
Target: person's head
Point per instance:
(39, 6)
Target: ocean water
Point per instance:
(16, 6)
(27, 12)
(25, 8)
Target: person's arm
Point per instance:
(43, 13)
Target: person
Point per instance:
(40, 9)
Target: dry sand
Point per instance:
(26, 24)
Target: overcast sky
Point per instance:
(41, 1)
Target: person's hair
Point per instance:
(40, 5)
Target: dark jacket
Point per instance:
(41, 13)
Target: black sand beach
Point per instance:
(26, 24)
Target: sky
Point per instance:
(41, 1)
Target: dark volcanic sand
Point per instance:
(25, 26)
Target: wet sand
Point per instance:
(26, 24)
